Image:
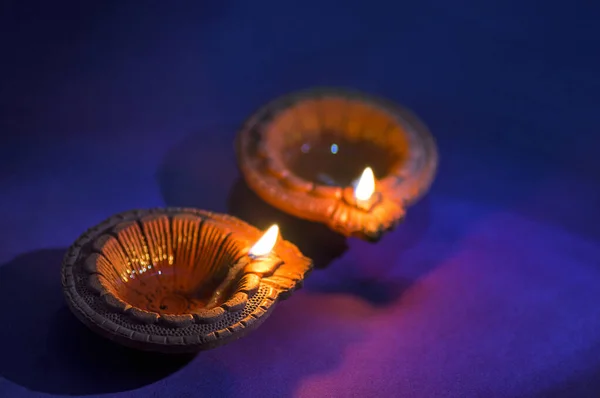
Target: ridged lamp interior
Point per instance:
(168, 266)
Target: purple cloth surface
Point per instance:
(491, 288)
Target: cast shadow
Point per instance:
(371, 271)
(314, 240)
(339, 274)
(377, 292)
(198, 171)
(201, 172)
(45, 348)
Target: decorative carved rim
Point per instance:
(248, 306)
(267, 175)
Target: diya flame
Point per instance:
(366, 186)
(265, 244)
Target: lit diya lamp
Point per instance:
(302, 153)
(178, 280)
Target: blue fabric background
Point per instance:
(491, 288)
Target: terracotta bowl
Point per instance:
(303, 153)
(176, 280)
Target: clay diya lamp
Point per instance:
(346, 159)
(178, 280)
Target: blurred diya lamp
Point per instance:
(346, 159)
(178, 280)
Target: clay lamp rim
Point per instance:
(405, 183)
(278, 273)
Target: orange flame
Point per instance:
(265, 244)
(366, 185)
